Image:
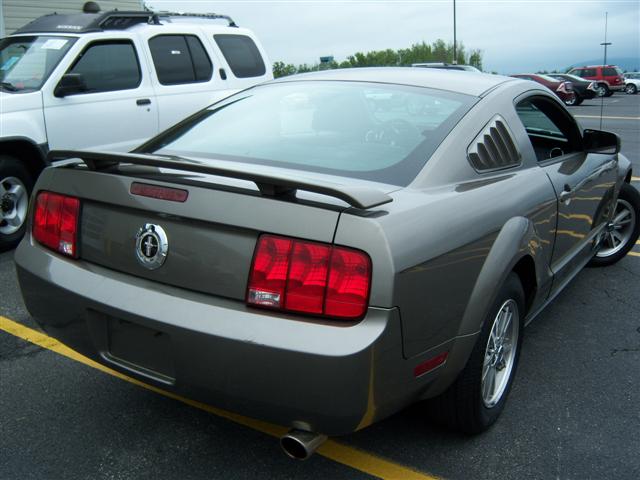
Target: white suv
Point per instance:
(108, 81)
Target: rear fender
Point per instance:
(516, 239)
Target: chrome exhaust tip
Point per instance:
(300, 444)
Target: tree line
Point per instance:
(438, 51)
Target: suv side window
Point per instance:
(609, 72)
(108, 66)
(551, 132)
(241, 54)
(180, 59)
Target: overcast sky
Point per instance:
(514, 36)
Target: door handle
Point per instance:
(566, 193)
(143, 101)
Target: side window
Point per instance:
(180, 59)
(550, 130)
(108, 66)
(242, 55)
(609, 72)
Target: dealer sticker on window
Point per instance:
(54, 44)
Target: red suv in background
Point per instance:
(609, 78)
(563, 89)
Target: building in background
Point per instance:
(16, 13)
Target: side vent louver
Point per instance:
(494, 148)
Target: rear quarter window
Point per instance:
(609, 72)
(242, 55)
(180, 59)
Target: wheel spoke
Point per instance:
(623, 217)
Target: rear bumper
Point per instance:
(325, 378)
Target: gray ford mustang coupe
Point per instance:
(323, 250)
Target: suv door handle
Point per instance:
(143, 101)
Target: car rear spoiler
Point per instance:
(271, 185)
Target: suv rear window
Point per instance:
(242, 55)
(370, 131)
(180, 59)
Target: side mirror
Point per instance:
(598, 141)
(70, 84)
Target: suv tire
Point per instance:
(15, 189)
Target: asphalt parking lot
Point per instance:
(574, 411)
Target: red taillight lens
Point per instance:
(309, 277)
(55, 223)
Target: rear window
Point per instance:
(180, 59)
(376, 132)
(242, 55)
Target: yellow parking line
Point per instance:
(634, 254)
(336, 451)
(635, 179)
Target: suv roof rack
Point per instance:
(211, 16)
(112, 20)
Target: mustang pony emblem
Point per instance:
(152, 246)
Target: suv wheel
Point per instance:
(477, 397)
(630, 89)
(603, 90)
(15, 189)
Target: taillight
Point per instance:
(55, 222)
(309, 277)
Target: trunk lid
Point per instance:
(211, 236)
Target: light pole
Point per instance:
(605, 43)
(455, 53)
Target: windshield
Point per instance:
(549, 79)
(573, 77)
(27, 62)
(362, 130)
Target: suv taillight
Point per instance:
(55, 222)
(309, 277)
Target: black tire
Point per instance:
(603, 90)
(573, 101)
(610, 253)
(630, 89)
(12, 172)
(579, 100)
(462, 407)
(609, 93)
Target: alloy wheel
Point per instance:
(500, 353)
(619, 230)
(14, 203)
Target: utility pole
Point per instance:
(605, 43)
(455, 51)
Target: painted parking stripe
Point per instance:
(635, 179)
(607, 117)
(634, 254)
(336, 451)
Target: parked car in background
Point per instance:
(631, 82)
(447, 66)
(584, 89)
(108, 80)
(563, 89)
(609, 78)
(294, 254)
